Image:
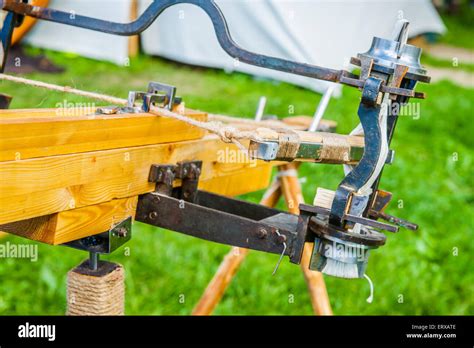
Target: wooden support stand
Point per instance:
(290, 188)
(315, 281)
(100, 292)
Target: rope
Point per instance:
(65, 89)
(99, 293)
(228, 134)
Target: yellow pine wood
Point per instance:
(36, 133)
(77, 223)
(42, 186)
(313, 137)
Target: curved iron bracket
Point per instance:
(369, 111)
(222, 33)
(154, 11)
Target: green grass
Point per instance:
(436, 191)
(430, 60)
(459, 27)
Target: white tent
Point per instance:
(320, 32)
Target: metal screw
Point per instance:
(160, 176)
(153, 215)
(93, 260)
(121, 232)
(198, 171)
(262, 233)
(281, 238)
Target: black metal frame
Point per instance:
(217, 218)
(225, 220)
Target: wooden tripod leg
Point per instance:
(230, 265)
(291, 189)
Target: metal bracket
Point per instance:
(165, 174)
(159, 94)
(268, 150)
(315, 210)
(225, 220)
(188, 172)
(380, 203)
(156, 8)
(106, 242)
(368, 112)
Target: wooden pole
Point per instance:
(230, 265)
(133, 41)
(288, 186)
(293, 195)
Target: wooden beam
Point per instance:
(89, 220)
(304, 122)
(74, 224)
(314, 137)
(39, 133)
(301, 123)
(241, 181)
(42, 186)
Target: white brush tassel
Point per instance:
(340, 269)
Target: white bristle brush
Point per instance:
(324, 199)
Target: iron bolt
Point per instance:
(262, 233)
(153, 215)
(282, 238)
(121, 232)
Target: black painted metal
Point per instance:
(152, 13)
(324, 231)
(221, 226)
(235, 206)
(5, 101)
(188, 172)
(6, 36)
(220, 27)
(391, 125)
(323, 212)
(368, 113)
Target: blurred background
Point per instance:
(425, 272)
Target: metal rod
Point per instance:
(151, 14)
(93, 260)
(322, 106)
(261, 108)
